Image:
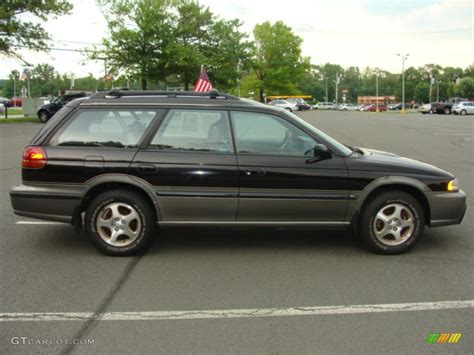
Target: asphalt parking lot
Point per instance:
(51, 268)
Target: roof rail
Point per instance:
(117, 93)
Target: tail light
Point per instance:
(34, 157)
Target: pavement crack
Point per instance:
(91, 323)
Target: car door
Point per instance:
(190, 162)
(280, 179)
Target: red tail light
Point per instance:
(34, 158)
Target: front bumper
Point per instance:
(45, 202)
(447, 208)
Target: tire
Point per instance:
(447, 111)
(43, 116)
(113, 206)
(380, 214)
(463, 113)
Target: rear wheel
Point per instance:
(392, 222)
(120, 222)
(447, 111)
(43, 116)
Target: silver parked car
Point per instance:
(323, 105)
(348, 107)
(464, 108)
(287, 105)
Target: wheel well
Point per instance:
(96, 190)
(416, 193)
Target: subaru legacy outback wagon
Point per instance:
(123, 163)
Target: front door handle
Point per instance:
(256, 172)
(147, 168)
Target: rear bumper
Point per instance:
(447, 208)
(44, 202)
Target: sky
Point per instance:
(363, 33)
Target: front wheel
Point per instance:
(463, 112)
(120, 223)
(447, 111)
(43, 116)
(392, 222)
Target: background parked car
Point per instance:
(47, 111)
(373, 108)
(290, 106)
(444, 108)
(464, 108)
(300, 103)
(323, 105)
(6, 102)
(16, 101)
(348, 107)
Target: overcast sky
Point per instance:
(350, 33)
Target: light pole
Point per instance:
(337, 87)
(377, 91)
(327, 97)
(404, 57)
(437, 90)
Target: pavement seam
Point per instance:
(92, 322)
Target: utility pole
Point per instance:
(327, 96)
(404, 57)
(431, 85)
(337, 87)
(437, 90)
(14, 89)
(377, 91)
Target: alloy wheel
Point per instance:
(118, 224)
(394, 224)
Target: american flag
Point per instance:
(24, 75)
(203, 84)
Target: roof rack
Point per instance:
(118, 93)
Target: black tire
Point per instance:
(368, 219)
(144, 211)
(463, 112)
(447, 111)
(43, 116)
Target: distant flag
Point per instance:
(203, 84)
(24, 75)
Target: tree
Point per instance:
(465, 88)
(16, 32)
(276, 59)
(140, 35)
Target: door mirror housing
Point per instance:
(322, 152)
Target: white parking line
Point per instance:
(236, 313)
(38, 222)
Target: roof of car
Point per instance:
(178, 98)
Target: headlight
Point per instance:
(453, 186)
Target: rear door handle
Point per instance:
(256, 172)
(147, 168)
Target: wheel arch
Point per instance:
(107, 182)
(408, 185)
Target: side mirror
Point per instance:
(321, 152)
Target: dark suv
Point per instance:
(47, 111)
(122, 163)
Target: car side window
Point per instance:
(263, 134)
(194, 130)
(108, 128)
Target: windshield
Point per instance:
(341, 148)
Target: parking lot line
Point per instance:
(236, 313)
(38, 222)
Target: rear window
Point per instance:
(109, 128)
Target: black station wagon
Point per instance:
(123, 163)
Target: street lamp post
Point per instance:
(377, 91)
(404, 57)
(327, 97)
(337, 87)
(437, 90)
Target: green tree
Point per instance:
(465, 88)
(17, 32)
(276, 59)
(140, 35)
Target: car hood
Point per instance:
(377, 160)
